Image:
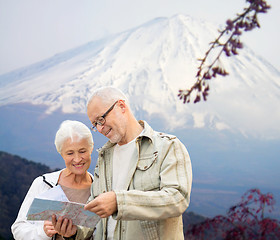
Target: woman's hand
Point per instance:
(49, 229)
(64, 226)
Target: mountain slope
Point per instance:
(151, 63)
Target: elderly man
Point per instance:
(142, 180)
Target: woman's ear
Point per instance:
(92, 148)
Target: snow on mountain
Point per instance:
(151, 63)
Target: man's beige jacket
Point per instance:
(157, 190)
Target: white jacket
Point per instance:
(33, 230)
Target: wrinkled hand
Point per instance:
(104, 205)
(49, 229)
(64, 226)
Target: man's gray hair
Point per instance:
(108, 95)
(71, 129)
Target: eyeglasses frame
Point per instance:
(95, 123)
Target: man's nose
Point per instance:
(99, 128)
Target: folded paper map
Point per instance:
(43, 209)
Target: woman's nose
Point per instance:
(77, 158)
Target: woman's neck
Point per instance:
(71, 180)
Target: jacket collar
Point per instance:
(147, 132)
(52, 178)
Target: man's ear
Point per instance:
(122, 105)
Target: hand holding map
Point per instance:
(42, 209)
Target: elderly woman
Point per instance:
(74, 142)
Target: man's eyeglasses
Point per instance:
(101, 120)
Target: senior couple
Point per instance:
(141, 183)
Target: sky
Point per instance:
(33, 30)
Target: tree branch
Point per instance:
(245, 21)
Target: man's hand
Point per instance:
(104, 205)
(64, 227)
(49, 229)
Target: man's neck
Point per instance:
(133, 131)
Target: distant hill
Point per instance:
(16, 176)
(190, 218)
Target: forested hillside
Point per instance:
(16, 176)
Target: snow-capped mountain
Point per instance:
(151, 63)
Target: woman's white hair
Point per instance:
(108, 95)
(72, 129)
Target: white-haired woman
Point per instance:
(74, 142)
